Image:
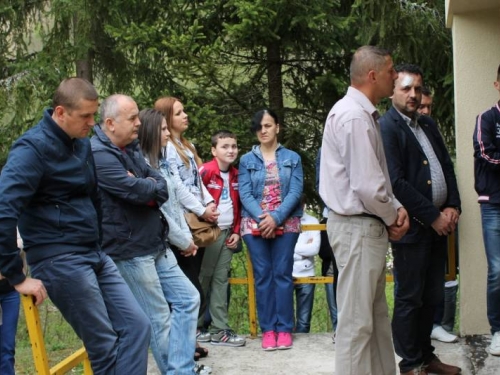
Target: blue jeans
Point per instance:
(157, 282)
(419, 271)
(445, 312)
(490, 217)
(272, 261)
(9, 304)
(331, 299)
(304, 300)
(95, 300)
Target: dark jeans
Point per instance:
(191, 267)
(328, 261)
(9, 308)
(445, 312)
(419, 271)
(272, 261)
(304, 301)
(95, 300)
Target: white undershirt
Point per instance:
(225, 204)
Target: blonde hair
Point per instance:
(166, 106)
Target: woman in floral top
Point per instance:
(271, 183)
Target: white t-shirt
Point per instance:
(225, 204)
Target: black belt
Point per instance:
(364, 214)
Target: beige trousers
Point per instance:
(364, 341)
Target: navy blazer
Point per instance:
(410, 171)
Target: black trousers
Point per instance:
(419, 271)
(191, 267)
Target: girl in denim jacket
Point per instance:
(183, 160)
(271, 183)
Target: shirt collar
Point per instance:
(363, 100)
(408, 120)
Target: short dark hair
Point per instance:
(257, 119)
(409, 68)
(498, 73)
(426, 91)
(220, 134)
(71, 90)
(367, 58)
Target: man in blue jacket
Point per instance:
(487, 184)
(134, 235)
(48, 189)
(423, 180)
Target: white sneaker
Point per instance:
(440, 334)
(494, 347)
(202, 369)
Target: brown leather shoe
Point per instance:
(437, 367)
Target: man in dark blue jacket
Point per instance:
(134, 235)
(423, 180)
(48, 189)
(487, 184)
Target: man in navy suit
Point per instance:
(423, 180)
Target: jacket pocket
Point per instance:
(254, 167)
(256, 174)
(289, 163)
(286, 169)
(54, 217)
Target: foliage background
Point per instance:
(224, 59)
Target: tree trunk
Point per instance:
(275, 80)
(85, 56)
(84, 67)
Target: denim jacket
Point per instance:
(187, 179)
(179, 234)
(252, 176)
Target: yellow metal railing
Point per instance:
(249, 280)
(38, 345)
(80, 356)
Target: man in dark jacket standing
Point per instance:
(48, 189)
(134, 235)
(423, 180)
(487, 184)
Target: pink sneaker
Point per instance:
(269, 340)
(284, 340)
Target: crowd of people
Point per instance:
(104, 229)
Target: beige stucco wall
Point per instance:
(476, 54)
